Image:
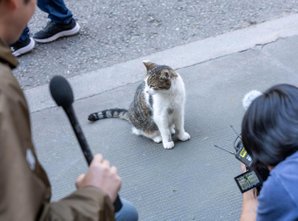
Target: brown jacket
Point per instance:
(25, 190)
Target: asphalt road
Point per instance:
(117, 31)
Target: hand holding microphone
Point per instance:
(100, 174)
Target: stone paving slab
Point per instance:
(193, 181)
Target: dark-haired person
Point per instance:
(270, 136)
(61, 24)
(25, 191)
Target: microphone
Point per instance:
(62, 94)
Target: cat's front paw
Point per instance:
(184, 137)
(168, 145)
(157, 139)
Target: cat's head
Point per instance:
(159, 78)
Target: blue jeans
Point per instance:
(127, 213)
(57, 12)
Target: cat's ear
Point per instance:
(149, 65)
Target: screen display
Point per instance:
(247, 181)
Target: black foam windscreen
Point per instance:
(61, 91)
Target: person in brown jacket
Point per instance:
(25, 190)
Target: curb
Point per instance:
(95, 82)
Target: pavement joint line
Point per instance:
(182, 56)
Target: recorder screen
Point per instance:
(247, 181)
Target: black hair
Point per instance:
(270, 125)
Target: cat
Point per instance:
(157, 110)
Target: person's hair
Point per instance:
(270, 125)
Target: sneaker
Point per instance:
(22, 47)
(54, 30)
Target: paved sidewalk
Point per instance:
(193, 181)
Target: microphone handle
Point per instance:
(79, 134)
(84, 145)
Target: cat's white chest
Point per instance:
(165, 103)
(171, 102)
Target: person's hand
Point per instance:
(249, 205)
(243, 167)
(101, 175)
(249, 202)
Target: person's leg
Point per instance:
(24, 45)
(61, 21)
(127, 213)
(25, 34)
(56, 9)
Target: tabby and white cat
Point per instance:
(157, 110)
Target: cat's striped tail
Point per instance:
(109, 113)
